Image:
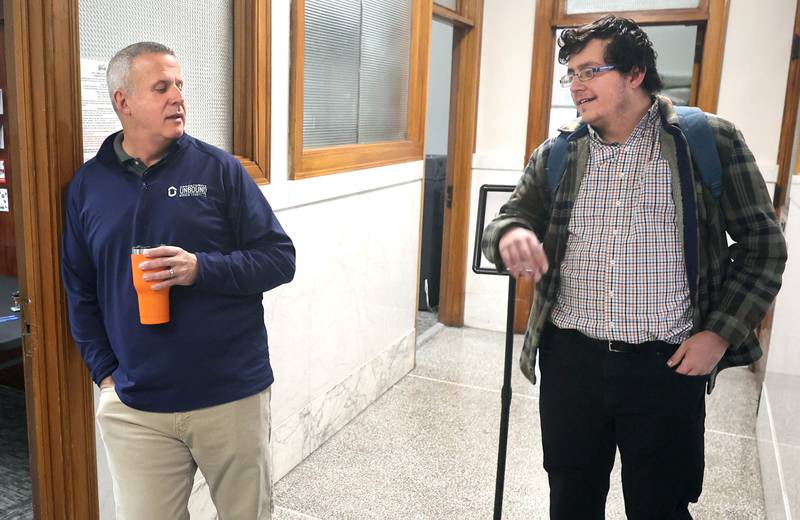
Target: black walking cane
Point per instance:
(505, 393)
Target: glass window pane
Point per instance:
(356, 71)
(385, 54)
(450, 4)
(675, 48)
(604, 6)
(330, 81)
(204, 49)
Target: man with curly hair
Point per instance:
(640, 300)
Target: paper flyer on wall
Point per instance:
(99, 118)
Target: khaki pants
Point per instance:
(153, 458)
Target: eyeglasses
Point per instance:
(584, 75)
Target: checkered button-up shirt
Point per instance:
(623, 276)
(732, 286)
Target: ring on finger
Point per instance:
(171, 273)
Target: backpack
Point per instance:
(695, 128)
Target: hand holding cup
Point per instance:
(168, 266)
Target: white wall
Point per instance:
(754, 73)
(439, 71)
(506, 53)
(353, 299)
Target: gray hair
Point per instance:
(118, 72)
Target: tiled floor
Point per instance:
(15, 477)
(428, 447)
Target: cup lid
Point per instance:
(139, 250)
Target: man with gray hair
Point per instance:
(193, 392)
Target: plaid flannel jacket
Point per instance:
(731, 287)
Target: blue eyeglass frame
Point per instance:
(568, 78)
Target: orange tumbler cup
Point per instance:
(153, 305)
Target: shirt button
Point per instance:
(612, 262)
(610, 324)
(618, 203)
(614, 232)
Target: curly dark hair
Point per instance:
(628, 48)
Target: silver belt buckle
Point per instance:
(612, 349)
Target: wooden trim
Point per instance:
(252, 87)
(323, 161)
(713, 53)
(452, 16)
(655, 17)
(541, 91)
(297, 31)
(694, 91)
(522, 304)
(335, 159)
(463, 120)
(788, 139)
(647, 16)
(45, 123)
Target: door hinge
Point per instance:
(795, 47)
(27, 344)
(449, 197)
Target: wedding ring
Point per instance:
(171, 273)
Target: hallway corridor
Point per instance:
(427, 448)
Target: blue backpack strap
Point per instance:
(703, 147)
(557, 164)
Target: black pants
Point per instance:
(592, 401)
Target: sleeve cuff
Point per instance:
(103, 371)
(204, 279)
(731, 329)
(492, 239)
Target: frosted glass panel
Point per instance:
(450, 4)
(200, 32)
(604, 6)
(385, 53)
(356, 71)
(330, 82)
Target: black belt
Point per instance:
(621, 347)
(629, 348)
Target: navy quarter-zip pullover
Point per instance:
(214, 348)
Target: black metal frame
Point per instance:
(505, 393)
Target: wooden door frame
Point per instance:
(467, 23)
(551, 15)
(45, 124)
(787, 143)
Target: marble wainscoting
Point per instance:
(303, 432)
(778, 435)
(295, 438)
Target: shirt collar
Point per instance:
(132, 164)
(647, 119)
